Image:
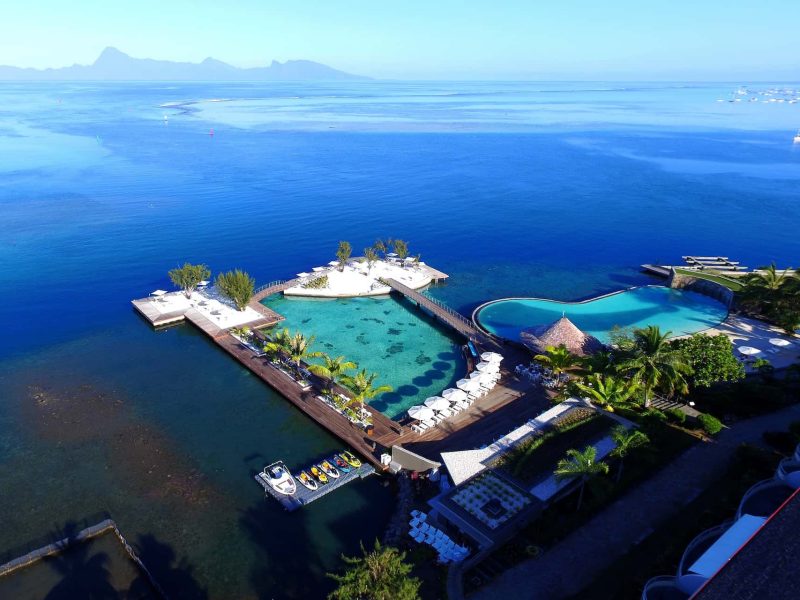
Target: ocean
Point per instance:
(557, 190)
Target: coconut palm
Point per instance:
(300, 348)
(343, 253)
(371, 257)
(332, 369)
(625, 441)
(607, 390)
(400, 248)
(558, 359)
(380, 247)
(654, 363)
(580, 464)
(362, 387)
(278, 344)
(601, 362)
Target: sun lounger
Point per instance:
(429, 423)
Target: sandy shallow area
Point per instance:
(357, 279)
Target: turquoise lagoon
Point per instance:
(677, 311)
(407, 348)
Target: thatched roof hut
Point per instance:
(561, 333)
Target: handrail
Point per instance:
(261, 288)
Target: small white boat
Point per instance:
(279, 478)
(797, 137)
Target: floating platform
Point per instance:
(304, 496)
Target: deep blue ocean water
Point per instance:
(514, 189)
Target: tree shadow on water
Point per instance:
(173, 575)
(83, 573)
(282, 569)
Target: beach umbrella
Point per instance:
(475, 375)
(491, 357)
(303, 274)
(486, 378)
(203, 283)
(334, 263)
(392, 254)
(437, 403)
(158, 293)
(488, 367)
(454, 395)
(468, 385)
(780, 342)
(748, 350)
(318, 269)
(419, 412)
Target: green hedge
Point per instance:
(711, 425)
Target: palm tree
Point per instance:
(580, 464)
(332, 369)
(558, 359)
(343, 253)
(361, 386)
(601, 362)
(278, 345)
(300, 349)
(607, 390)
(626, 440)
(372, 257)
(655, 363)
(380, 246)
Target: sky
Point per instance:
(426, 39)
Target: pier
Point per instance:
(714, 264)
(304, 496)
(443, 313)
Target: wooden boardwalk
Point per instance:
(447, 315)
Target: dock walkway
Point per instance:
(445, 314)
(304, 496)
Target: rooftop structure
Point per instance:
(563, 332)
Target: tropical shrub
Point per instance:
(710, 358)
(400, 248)
(710, 424)
(238, 286)
(316, 284)
(188, 276)
(676, 415)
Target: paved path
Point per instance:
(573, 564)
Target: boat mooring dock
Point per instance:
(304, 496)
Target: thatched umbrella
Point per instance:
(561, 333)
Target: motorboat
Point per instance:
(350, 459)
(307, 480)
(279, 478)
(341, 464)
(797, 137)
(317, 472)
(329, 469)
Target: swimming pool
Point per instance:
(408, 349)
(677, 311)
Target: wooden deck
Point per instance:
(157, 319)
(447, 315)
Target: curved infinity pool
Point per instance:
(677, 311)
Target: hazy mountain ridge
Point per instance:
(114, 65)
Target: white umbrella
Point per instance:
(421, 413)
(437, 403)
(748, 350)
(303, 274)
(158, 293)
(780, 342)
(486, 378)
(203, 283)
(488, 367)
(392, 254)
(334, 263)
(468, 385)
(475, 375)
(491, 357)
(318, 269)
(454, 395)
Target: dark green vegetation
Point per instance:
(237, 286)
(316, 283)
(343, 253)
(710, 358)
(380, 574)
(773, 294)
(728, 282)
(188, 276)
(661, 551)
(539, 455)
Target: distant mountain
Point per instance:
(113, 65)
